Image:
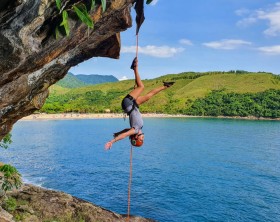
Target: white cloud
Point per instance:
(227, 44)
(123, 78)
(185, 42)
(272, 15)
(154, 2)
(242, 11)
(155, 51)
(270, 50)
(247, 21)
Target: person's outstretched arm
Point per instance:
(121, 136)
(120, 132)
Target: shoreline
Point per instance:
(75, 116)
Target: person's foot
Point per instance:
(168, 84)
(134, 63)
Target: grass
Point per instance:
(188, 87)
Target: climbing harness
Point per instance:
(134, 104)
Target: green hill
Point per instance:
(70, 81)
(96, 79)
(76, 81)
(183, 97)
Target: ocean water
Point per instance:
(189, 169)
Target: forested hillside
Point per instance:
(76, 81)
(211, 93)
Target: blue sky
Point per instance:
(198, 35)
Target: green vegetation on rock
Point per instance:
(10, 178)
(4, 143)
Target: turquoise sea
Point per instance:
(189, 169)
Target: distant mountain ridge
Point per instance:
(80, 80)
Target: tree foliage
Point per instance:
(9, 176)
(82, 11)
(94, 101)
(221, 103)
(6, 141)
(217, 103)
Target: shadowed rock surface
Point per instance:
(32, 59)
(36, 204)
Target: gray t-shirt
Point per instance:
(135, 120)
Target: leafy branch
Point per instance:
(5, 141)
(82, 10)
(9, 178)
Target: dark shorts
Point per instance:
(128, 103)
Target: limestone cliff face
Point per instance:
(35, 204)
(32, 59)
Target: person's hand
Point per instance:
(108, 145)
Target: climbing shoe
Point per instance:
(133, 65)
(168, 84)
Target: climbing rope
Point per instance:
(129, 185)
(131, 148)
(137, 46)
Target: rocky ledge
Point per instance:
(36, 204)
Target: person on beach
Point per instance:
(130, 105)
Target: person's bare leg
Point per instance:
(145, 98)
(139, 84)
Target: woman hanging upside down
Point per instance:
(130, 105)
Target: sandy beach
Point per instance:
(69, 116)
